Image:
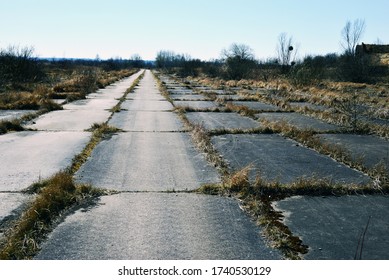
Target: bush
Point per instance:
(357, 69)
(87, 81)
(17, 66)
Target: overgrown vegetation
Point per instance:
(19, 66)
(257, 199)
(53, 197)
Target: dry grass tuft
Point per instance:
(12, 125)
(54, 196)
(100, 131)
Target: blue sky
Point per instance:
(200, 28)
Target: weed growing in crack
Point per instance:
(53, 197)
(257, 197)
(162, 88)
(240, 109)
(100, 132)
(337, 152)
(12, 125)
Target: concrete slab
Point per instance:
(284, 160)
(10, 202)
(189, 97)
(212, 120)
(82, 114)
(91, 104)
(147, 162)
(259, 106)
(308, 105)
(157, 226)
(181, 91)
(371, 149)
(211, 90)
(146, 105)
(146, 96)
(332, 226)
(299, 121)
(115, 90)
(196, 104)
(70, 120)
(7, 115)
(29, 156)
(229, 97)
(147, 121)
(59, 101)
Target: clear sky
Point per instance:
(200, 28)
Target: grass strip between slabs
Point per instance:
(256, 199)
(54, 197)
(117, 107)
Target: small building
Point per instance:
(379, 54)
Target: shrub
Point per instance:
(17, 66)
(87, 81)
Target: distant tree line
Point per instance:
(238, 62)
(20, 66)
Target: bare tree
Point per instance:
(240, 51)
(239, 61)
(286, 52)
(19, 65)
(351, 35)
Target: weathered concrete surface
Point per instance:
(92, 104)
(371, 149)
(149, 225)
(299, 121)
(188, 97)
(141, 161)
(308, 105)
(145, 96)
(146, 226)
(7, 115)
(144, 160)
(147, 121)
(180, 91)
(332, 226)
(9, 202)
(29, 156)
(259, 106)
(196, 104)
(212, 120)
(147, 105)
(70, 120)
(82, 114)
(229, 97)
(284, 160)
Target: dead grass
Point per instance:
(162, 88)
(257, 198)
(100, 132)
(240, 109)
(335, 151)
(134, 84)
(202, 140)
(36, 100)
(8, 126)
(55, 195)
